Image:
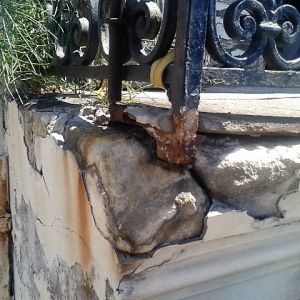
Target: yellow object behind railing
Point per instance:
(158, 68)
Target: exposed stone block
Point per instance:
(249, 174)
(145, 203)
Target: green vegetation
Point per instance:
(25, 46)
(26, 52)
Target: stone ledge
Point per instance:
(233, 120)
(139, 203)
(234, 124)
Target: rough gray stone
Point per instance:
(248, 125)
(146, 204)
(88, 110)
(249, 174)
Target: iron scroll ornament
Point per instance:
(73, 26)
(271, 28)
(81, 29)
(148, 22)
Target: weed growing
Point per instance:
(25, 47)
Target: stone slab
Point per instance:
(250, 125)
(249, 174)
(240, 111)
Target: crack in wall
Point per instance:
(56, 220)
(44, 179)
(63, 281)
(101, 190)
(118, 289)
(81, 164)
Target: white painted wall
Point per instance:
(59, 252)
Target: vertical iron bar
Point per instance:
(115, 60)
(190, 45)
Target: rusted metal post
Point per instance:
(177, 146)
(116, 44)
(190, 45)
(175, 142)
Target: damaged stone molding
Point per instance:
(261, 265)
(175, 136)
(120, 170)
(118, 176)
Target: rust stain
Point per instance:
(174, 147)
(78, 209)
(3, 186)
(84, 229)
(3, 240)
(87, 143)
(5, 225)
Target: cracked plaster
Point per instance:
(81, 223)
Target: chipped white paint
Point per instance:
(238, 258)
(60, 234)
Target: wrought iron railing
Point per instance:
(256, 42)
(164, 42)
(118, 31)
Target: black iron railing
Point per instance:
(164, 42)
(254, 42)
(120, 31)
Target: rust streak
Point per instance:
(84, 224)
(3, 186)
(77, 209)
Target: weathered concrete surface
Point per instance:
(249, 174)
(255, 101)
(80, 193)
(58, 251)
(260, 265)
(237, 253)
(120, 174)
(248, 125)
(224, 221)
(137, 202)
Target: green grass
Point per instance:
(25, 47)
(26, 51)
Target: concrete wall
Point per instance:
(96, 216)
(58, 251)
